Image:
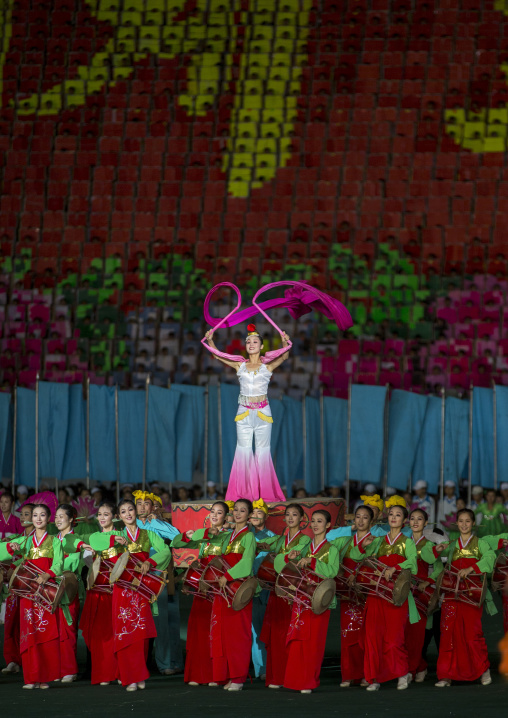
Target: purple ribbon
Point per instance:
(300, 298)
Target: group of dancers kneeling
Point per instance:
(388, 579)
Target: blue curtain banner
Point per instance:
(175, 438)
(53, 423)
(161, 441)
(131, 435)
(426, 465)
(5, 433)
(102, 433)
(407, 413)
(25, 437)
(335, 420)
(190, 431)
(367, 433)
(456, 440)
(74, 466)
(483, 437)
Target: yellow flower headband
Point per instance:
(260, 504)
(375, 500)
(143, 495)
(395, 501)
(230, 504)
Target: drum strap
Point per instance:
(170, 585)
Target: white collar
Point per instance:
(288, 540)
(395, 539)
(237, 533)
(313, 550)
(38, 543)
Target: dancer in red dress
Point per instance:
(12, 652)
(96, 620)
(385, 624)
(278, 612)
(415, 632)
(306, 639)
(352, 630)
(198, 661)
(39, 628)
(463, 654)
(133, 622)
(64, 521)
(230, 630)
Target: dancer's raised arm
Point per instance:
(277, 362)
(228, 362)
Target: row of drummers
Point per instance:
(390, 580)
(248, 584)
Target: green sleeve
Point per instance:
(244, 566)
(427, 553)
(437, 566)
(178, 541)
(4, 554)
(493, 541)
(100, 541)
(272, 540)
(341, 544)
(488, 559)
(84, 529)
(330, 569)
(58, 557)
(72, 562)
(410, 561)
(162, 555)
(280, 559)
(370, 550)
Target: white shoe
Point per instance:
(212, 685)
(235, 687)
(404, 682)
(272, 685)
(443, 684)
(486, 678)
(345, 684)
(373, 687)
(363, 683)
(118, 681)
(193, 683)
(12, 668)
(227, 686)
(420, 677)
(142, 686)
(69, 678)
(132, 687)
(30, 686)
(43, 686)
(306, 690)
(106, 683)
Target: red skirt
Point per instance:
(463, 654)
(12, 653)
(274, 635)
(198, 661)
(352, 639)
(39, 642)
(133, 626)
(415, 638)
(385, 648)
(68, 639)
(306, 649)
(97, 626)
(230, 642)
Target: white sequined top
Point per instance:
(253, 383)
